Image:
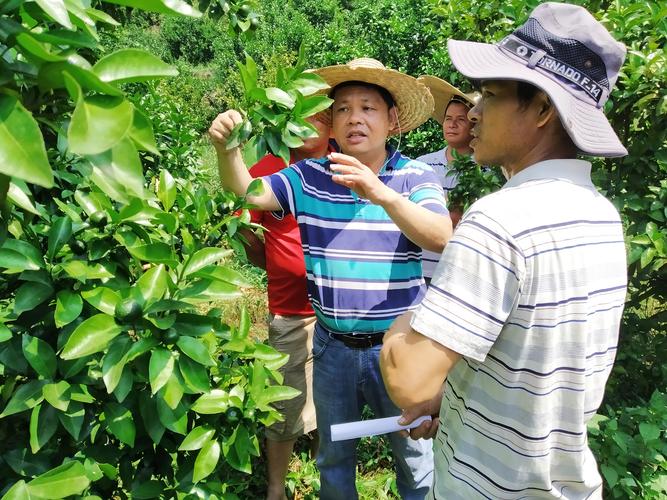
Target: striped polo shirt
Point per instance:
(530, 292)
(449, 179)
(362, 271)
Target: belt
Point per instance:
(360, 341)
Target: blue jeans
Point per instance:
(344, 379)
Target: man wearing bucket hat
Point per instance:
(364, 215)
(522, 317)
(451, 111)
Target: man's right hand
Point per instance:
(222, 127)
(426, 430)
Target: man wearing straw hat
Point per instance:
(522, 317)
(451, 111)
(364, 215)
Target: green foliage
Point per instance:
(631, 445)
(109, 244)
(474, 181)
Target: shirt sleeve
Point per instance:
(286, 186)
(428, 193)
(474, 288)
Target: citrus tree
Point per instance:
(116, 379)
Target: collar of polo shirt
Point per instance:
(576, 171)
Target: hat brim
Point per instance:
(414, 102)
(442, 93)
(586, 125)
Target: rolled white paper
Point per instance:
(373, 427)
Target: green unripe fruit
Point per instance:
(128, 310)
(78, 247)
(98, 219)
(233, 415)
(171, 336)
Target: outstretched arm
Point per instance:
(234, 174)
(423, 227)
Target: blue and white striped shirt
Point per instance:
(362, 271)
(530, 290)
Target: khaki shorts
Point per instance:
(293, 335)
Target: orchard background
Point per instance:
(132, 361)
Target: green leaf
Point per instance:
(160, 368)
(118, 171)
(63, 481)
(140, 347)
(57, 11)
(19, 198)
(308, 83)
(91, 336)
(125, 384)
(166, 190)
(280, 96)
(153, 284)
(15, 261)
(649, 431)
(223, 273)
(102, 298)
(132, 65)
(158, 253)
(30, 295)
(19, 491)
(205, 290)
(5, 333)
(150, 418)
(68, 307)
(120, 422)
(30, 252)
(197, 438)
(72, 419)
(58, 394)
(55, 75)
(43, 424)
(60, 233)
(176, 420)
(216, 401)
(275, 393)
(314, 104)
(148, 490)
(82, 271)
(196, 350)
(172, 392)
(22, 150)
(195, 375)
(206, 461)
(142, 133)
(610, 475)
(161, 6)
(37, 49)
(26, 397)
(39, 355)
(114, 362)
(205, 257)
(99, 123)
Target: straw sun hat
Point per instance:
(442, 93)
(414, 102)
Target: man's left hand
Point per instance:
(425, 430)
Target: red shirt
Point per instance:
(285, 267)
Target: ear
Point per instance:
(393, 119)
(545, 111)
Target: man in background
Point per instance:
(451, 111)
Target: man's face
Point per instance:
(502, 132)
(361, 120)
(456, 126)
(315, 147)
